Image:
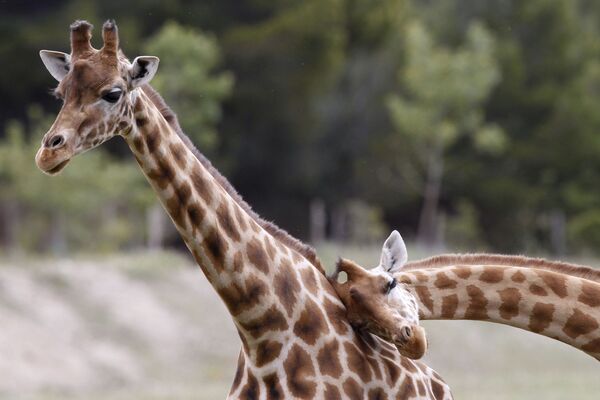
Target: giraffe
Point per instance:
(554, 299)
(296, 340)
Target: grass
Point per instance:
(149, 327)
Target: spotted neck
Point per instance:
(558, 305)
(296, 340)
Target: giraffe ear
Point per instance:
(56, 62)
(142, 70)
(393, 253)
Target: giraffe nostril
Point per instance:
(406, 333)
(55, 141)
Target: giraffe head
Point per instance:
(377, 302)
(97, 88)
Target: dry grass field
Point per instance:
(148, 326)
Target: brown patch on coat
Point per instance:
(425, 297)
(299, 370)
(449, 306)
(593, 346)
(308, 279)
(311, 323)
(579, 323)
(164, 173)
(201, 185)
(328, 359)
(510, 299)
(518, 277)
(437, 389)
(462, 272)
(274, 389)
(477, 308)
(357, 362)
(336, 315)
(267, 351)
(215, 248)
(443, 282)
(251, 390)
(555, 282)
(226, 222)
(407, 388)
(377, 394)
(332, 392)
(590, 294)
(287, 287)
(269, 247)
(178, 152)
(392, 371)
(352, 389)
(195, 215)
(492, 275)
(541, 317)
(239, 299)
(271, 320)
(537, 290)
(239, 373)
(257, 256)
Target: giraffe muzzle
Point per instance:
(411, 342)
(54, 154)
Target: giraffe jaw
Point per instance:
(59, 167)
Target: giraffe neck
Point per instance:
(296, 340)
(553, 304)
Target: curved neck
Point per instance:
(560, 306)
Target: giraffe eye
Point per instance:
(113, 95)
(391, 284)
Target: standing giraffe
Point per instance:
(296, 341)
(558, 300)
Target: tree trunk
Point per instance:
(428, 232)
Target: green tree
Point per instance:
(188, 79)
(442, 101)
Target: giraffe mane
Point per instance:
(508, 260)
(278, 233)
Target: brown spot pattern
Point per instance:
(286, 287)
(215, 247)
(407, 389)
(443, 282)
(311, 323)
(257, 256)
(449, 306)
(555, 282)
(537, 290)
(274, 390)
(201, 185)
(328, 359)
(250, 391)
(437, 389)
(541, 317)
(226, 222)
(352, 389)
(357, 362)
(336, 316)
(590, 294)
(377, 394)
(477, 308)
(509, 302)
(518, 277)
(239, 373)
(579, 323)
(492, 275)
(299, 369)
(331, 392)
(271, 320)
(238, 299)
(593, 346)
(267, 351)
(425, 297)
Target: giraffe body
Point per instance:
(296, 340)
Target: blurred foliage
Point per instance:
(97, 203)
(346, 101)
(186, 80)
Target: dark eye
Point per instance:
(391, 284)
(113, 95)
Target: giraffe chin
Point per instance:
(57, 168)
